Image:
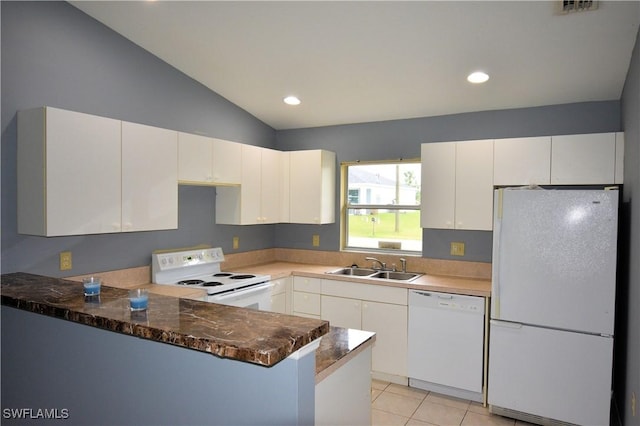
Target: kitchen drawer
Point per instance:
(306, 284)
(308, 303)
(374, 293)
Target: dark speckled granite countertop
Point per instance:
(257, 337)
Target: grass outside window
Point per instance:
(382, 206)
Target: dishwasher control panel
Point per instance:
(446, 301)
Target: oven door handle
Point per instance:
(244, 292)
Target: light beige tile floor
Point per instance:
(393, 404)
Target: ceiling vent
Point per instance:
(568, 6)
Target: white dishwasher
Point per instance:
(446, 343)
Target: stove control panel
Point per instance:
(182, 259)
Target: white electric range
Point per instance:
(201, 269)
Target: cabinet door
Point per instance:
(270, 186)
(83, 183)
(583, 159)
(250, 186)
(438, 185)
(306, 303)
(390, 324)
(227, 160)
(285, 196)
(312, 186)
(341, 312)
(522, 161)
(149, 178)
(195, 155)
(474, 185)
(619, 179)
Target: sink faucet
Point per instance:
(383, 265)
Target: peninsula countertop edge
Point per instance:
(257, 337)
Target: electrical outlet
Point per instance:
(236, 243)
(66, 262)
(316, 240)
(457, 249)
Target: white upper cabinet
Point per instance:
(227, 156)
(83, 174)
(522, 161)
(438, 185)
(285, 180)
(312, 177)
(583, 159)
(270, 185)
(457, 185)
(257, 199)
(208, 161)
(149, 178)
(68, 173)
(619, 158)
(474, 185)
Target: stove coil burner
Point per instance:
(190, 282)
(222, 274)
(212, 284)
(241, 277)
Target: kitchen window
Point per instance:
(381, 206)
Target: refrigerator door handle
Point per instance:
(497, 227)
(506, 324)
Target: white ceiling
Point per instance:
(362, 61)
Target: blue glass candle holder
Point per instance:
(138, 299)
(91, 286)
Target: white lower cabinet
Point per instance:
(342, 312)
(281, 295)
(390, 324)
(376, 308)
(306, 297)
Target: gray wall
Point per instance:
(628, 309)
(55, 55)
(402, 139)
(106, 378)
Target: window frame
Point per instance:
(345, 206)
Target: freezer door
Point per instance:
(554, 258)
(555, 374)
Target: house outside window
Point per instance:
(381, 206)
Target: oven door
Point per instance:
(254, 297)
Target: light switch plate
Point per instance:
(316, 240)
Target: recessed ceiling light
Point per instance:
(478, 77)
(291, 100)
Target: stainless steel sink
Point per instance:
(357, 272)
(394, 275)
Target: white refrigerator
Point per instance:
(552, 304)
